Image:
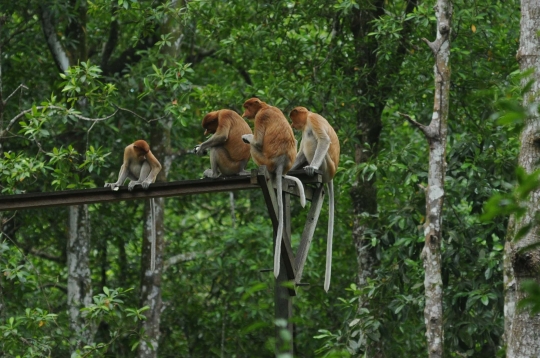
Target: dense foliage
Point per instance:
(184, 60)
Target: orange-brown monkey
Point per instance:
(273, 144)
(319, 149)
(140, 166)
(228, 153)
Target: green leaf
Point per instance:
(484, 300)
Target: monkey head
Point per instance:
(251, 107)
(299, 117)
(210, 122)
(141, 147)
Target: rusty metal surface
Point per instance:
(104, 195)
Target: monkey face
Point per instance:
(210, 122)
(141, 147)
(298, 118)
(139, 152)
(211, 129)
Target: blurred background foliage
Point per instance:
(289, 53)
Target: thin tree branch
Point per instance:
(201, 54)
(69, 113)
(55, 285)
(245, 74)
(5, 221)
(13, 93)
(184, 258)
(136, 115)
(25, 26)
(46, 255)
(432, 45)
(40, 148)
(416, 124)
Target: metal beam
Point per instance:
(156, 190)
(104, 195)
(287, 255)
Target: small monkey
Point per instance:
(140, 166)
(228, 152)
(273, 144)
(319, 149)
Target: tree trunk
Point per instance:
(524, 340)
(2, 21)
(151, 281)
(79, 279)
(436, 135)
(79, 287)
(364, 199)
(58, 53)
(509, 282)
(369, 126)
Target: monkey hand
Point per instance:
(145, 184)
(132, 185)
(209, 173)
(197, 150)
(310, 170)
(247, 138)
(113, 186)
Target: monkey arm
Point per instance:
(250, 139)
(300, 160)
(214, 159)
(323, 143)
(219, 138)
(256, 140)
(149, 171)
(129, 152)
(214, 141)
(155, 166)
(247, 138)
(122, 176)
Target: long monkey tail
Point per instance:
(328, 273)
(279, 234)
(153, 238)
(300, 189)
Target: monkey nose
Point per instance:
(206, 132)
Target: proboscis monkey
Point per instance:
(319, 149)
(228, 152)
(273, 144)
(140, 166)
